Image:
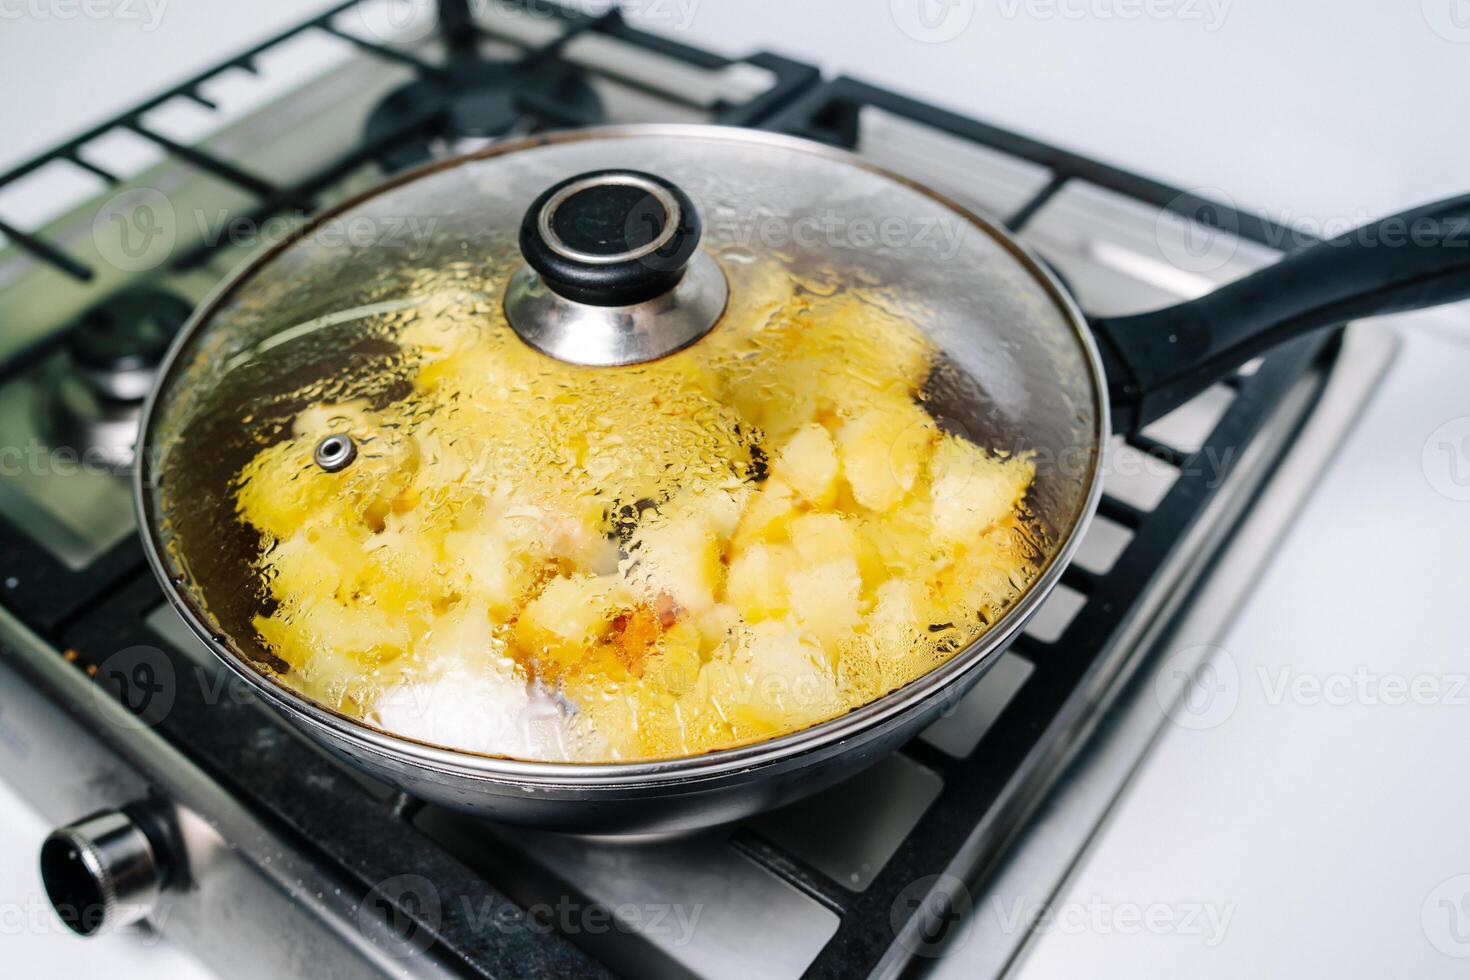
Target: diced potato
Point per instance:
(822, 538)
(677, 558)
(370, 633)
(482, 567)
(722, 507)
(323, 419)
(675, 666)
(717, 623)
(883, 452)
(808, 462)
(757, 582)
(792, 683)
(971, 490)
(768, 515)
(320, 561)
(826, 598)
(556, 625)
(897, 620)
(984, 578)
(405, 560)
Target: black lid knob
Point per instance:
(610, 237)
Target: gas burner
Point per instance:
(114, 350)
(118, 345)
(478, 100)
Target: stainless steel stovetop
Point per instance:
(288, 863)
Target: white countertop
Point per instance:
(1325, 832)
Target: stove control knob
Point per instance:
(107, 870)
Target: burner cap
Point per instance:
(117, 344)
(478, 100)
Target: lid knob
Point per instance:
(614, 274)
(610, 237)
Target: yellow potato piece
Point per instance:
(883, 451)
(972, 490)
(555, 626)
(757, 584)
(826, 598)
(808, 462)
(680, 558)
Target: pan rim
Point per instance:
(864, 719)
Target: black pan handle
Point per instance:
(1157, 361)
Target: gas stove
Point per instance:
(274, 859)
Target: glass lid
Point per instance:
(620, 445)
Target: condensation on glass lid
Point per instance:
(551, 562)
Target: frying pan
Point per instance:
(1022, 367)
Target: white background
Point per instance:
(1325, 828)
